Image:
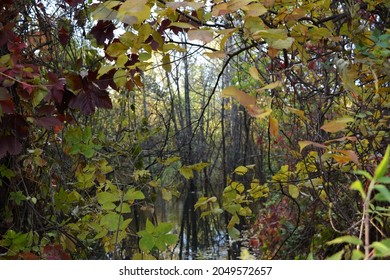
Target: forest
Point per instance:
(194, 130)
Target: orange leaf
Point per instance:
(243, 98)
(303, 144)
(350, 138)
(351, 155)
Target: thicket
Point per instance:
(146, 129)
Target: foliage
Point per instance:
(111, 118)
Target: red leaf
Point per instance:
(55, 252)
(9, 145)
(46, 110)
(27, 256)
(104, 30)
(7, 106)
(63, 36)
(56, 87)
(49, 122)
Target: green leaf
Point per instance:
(111, 221)
(382, 248)
(383, 165)
(116, 49)
(357, 255)
(336, 256)
(384, 193)
(108, 206)
(357, 186)
(147, 243)
(149, 227)
(346, 239)
(234, 233)
(133, 194)
(39, 94)
(363, 173)
(103, 232)
(383, 180)
(105, 197)
(163, 228)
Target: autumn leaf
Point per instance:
(270, 86)
(241, 170)
(254, 73)
(273, 126)
(243, 98)
(254, 9)
(216, 54)
(297, 112)
(293, 191)
(337, 125)
(205, 36)
(303, 144)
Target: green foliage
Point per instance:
(80, 141)
(302, 128)
(156, 237)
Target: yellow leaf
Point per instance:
(254, 73)
(245, 255)
(337, 125)
(270, 86)
(194, 5)
(182, 25)
(280, 44)
(234, 5)
(254, 10)
(120, 78)
(273, 126)
(205, 36)
(241, 170)
(259, 114)
(166, 194)
(303, 144)
(243, 98)
(216, 54)
(293, 191)
(297, 112)
(187, 172)
(134, 11)
(199, 166)
(166, 63)
(295, 15)
(170, 160)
